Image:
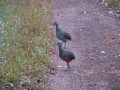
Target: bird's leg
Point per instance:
(68, 65)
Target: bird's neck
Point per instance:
(57, 28)
(60, 49)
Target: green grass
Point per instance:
(114, 4)
(25, 39)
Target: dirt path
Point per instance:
(95, 43)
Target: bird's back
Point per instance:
(67, 36)
(67, 56)
(62, 35)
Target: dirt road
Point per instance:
(95, 43)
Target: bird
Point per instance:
(65, 55)
(61, 35)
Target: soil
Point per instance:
(95, 43)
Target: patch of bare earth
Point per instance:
(95, 43)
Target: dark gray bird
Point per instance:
(65, 55)
(62, 35)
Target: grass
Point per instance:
(25, 40)
(115, 4)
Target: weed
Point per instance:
(115, 4)
(25, 39)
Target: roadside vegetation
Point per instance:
(25, 41)
(114, 4)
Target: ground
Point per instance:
(95, 43)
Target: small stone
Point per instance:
(75, 72)
(103, 52)
(111, 12)
(84, 12)
(11, 85)
(45, 76)
(59, 66)
(25, 83)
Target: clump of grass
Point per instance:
(25, 39)
(114, 4)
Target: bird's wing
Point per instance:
(67, 36)
(69, 54)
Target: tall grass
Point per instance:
(25, 39)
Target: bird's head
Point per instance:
(55, 23)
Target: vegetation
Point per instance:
(115, 4)
(25, 39)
